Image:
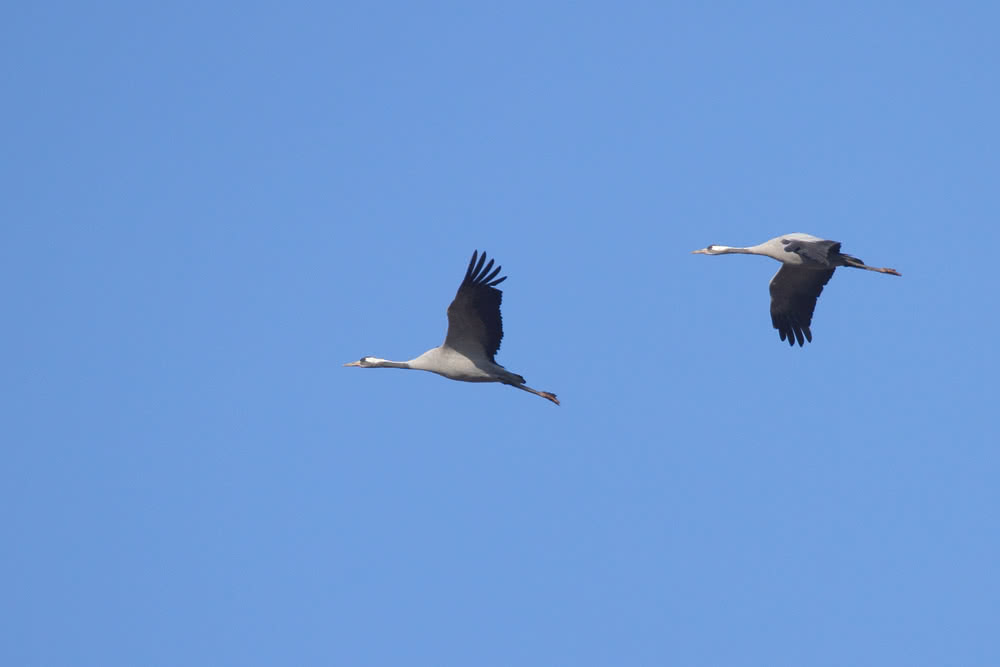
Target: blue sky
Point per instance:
(209, 208)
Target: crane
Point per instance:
(475, 330)
(807, 264)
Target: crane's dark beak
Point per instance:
(353, 363)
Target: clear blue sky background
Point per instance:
(207, 209)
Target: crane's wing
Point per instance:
(794, 291)
(819, 252)
(475, 327)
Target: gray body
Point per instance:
(454, 365)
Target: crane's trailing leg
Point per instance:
(543, 394)
(515, 380)
(856, 263)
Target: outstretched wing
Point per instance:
(475, 327)
(794, 291)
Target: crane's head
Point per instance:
(711, 250)
(365, 362)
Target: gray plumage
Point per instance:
(475, 329)
(808, 263)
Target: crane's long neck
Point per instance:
(385, 363)
(727, 250)
(763, 249)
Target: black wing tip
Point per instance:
(472, 263)
(793, 333)
(479, 273)
(789, 335)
